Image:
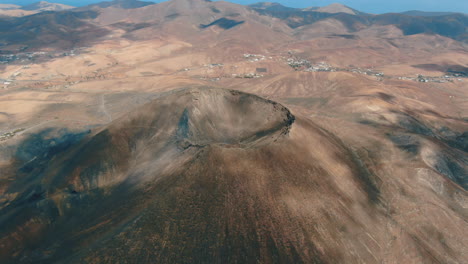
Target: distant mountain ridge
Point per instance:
(181, 17)
(271, 6)
(9, 6)
(124, 4)
(452, 25)
(427, 14)
(340, 8)
(336, 8)
(332, 8)
(46, 6)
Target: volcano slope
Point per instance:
(206, 175)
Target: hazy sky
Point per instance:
(371, 6)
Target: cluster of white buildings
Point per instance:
(321, 67)
(254, 57)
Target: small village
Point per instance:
(28, 57)
(427, 79)
(255, 57)
(304, 65)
